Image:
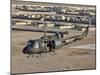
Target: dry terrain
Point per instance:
(66, 58)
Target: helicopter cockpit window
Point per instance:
(30, 43)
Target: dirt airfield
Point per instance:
(66, 58)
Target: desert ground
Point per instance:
(68, 57)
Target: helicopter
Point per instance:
(50, 43)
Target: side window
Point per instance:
(45, 42)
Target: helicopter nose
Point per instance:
(25, 50)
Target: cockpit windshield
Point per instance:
(30, 42)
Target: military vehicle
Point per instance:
(50, 43)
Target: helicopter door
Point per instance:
(51, 44)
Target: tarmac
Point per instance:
(66, 58)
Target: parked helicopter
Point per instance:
(49, 43)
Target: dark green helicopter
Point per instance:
(50, 43)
